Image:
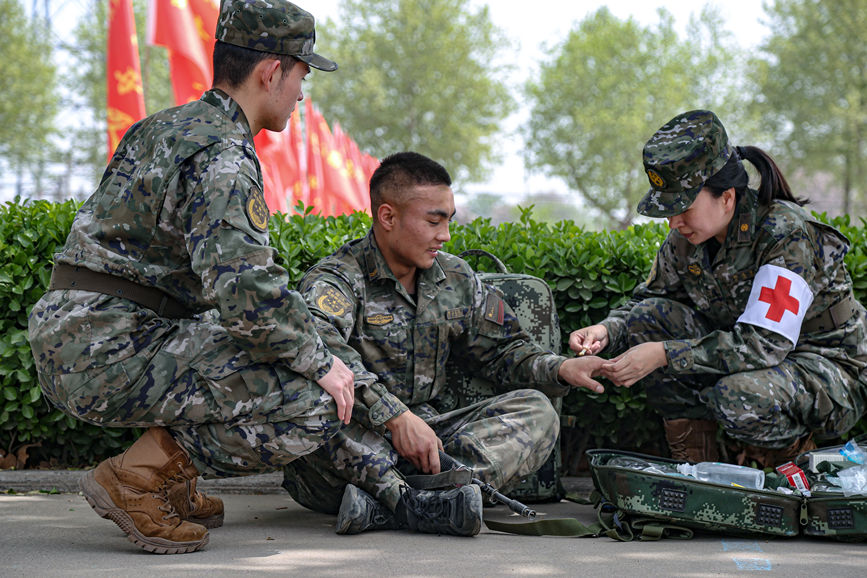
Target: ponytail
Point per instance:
(773, 184)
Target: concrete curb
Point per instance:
(66, 482)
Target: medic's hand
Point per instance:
(589, 340)
(635, 363)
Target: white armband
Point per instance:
(778, 302)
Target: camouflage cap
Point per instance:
(679, 158)
(273, 26)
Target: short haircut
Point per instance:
(234, 64)
(399, 172)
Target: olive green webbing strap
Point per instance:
(556, 527)
(610, 522)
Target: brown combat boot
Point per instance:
(692, 440)
(771, 458)
(131, 490)
(195, 506)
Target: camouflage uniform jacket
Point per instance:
(367, 317)
(180, 208)
(783, 235)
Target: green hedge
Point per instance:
(589, 273)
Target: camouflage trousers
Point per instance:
(503, 438)
(234, 416)
(769, 407)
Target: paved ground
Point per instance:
(268, 534)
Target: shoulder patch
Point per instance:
(333, 302)
(257, 210)
(494, 309)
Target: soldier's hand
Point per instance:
(579, 372)
(589, 340)
(340, 383)
(635, 363)
(415, 441)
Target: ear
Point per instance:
(730, 197)
(386, 215)
(269, 72)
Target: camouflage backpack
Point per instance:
(533, 302)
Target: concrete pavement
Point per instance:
(268, 534)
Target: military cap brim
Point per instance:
(659, 204)
(318, 62)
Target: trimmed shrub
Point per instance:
(588, 272)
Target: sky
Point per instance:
(547, 23)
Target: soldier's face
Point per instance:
(287, 93)
(707, 217)
(421, 227)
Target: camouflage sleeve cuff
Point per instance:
(616, 334)
(320, 371)
(386, 408)
(679, 355)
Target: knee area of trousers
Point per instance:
(546, 417)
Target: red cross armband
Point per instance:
(778, 302)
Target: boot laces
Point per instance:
(433, 509)
(677, 445)
(162, 493)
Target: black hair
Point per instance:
(234, 64)
(400, 171)
(773, 184)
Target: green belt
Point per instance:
(82, 279)
(832, 317)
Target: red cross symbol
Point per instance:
(779, 299)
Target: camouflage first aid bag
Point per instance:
(643, 496)
(650, 501)
(533, 302)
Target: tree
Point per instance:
(28, 100)
(607, 88)
(814, 88)
(416, 75)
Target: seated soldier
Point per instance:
(395, 308)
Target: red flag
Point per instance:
(370, 164)
(186, 28)
(300, 191)
(272, 150)
(343, 145)
(315, 171)
(125, 98)
(355, 168)
(337, 192)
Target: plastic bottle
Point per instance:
(728, 474)
(635, 463)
